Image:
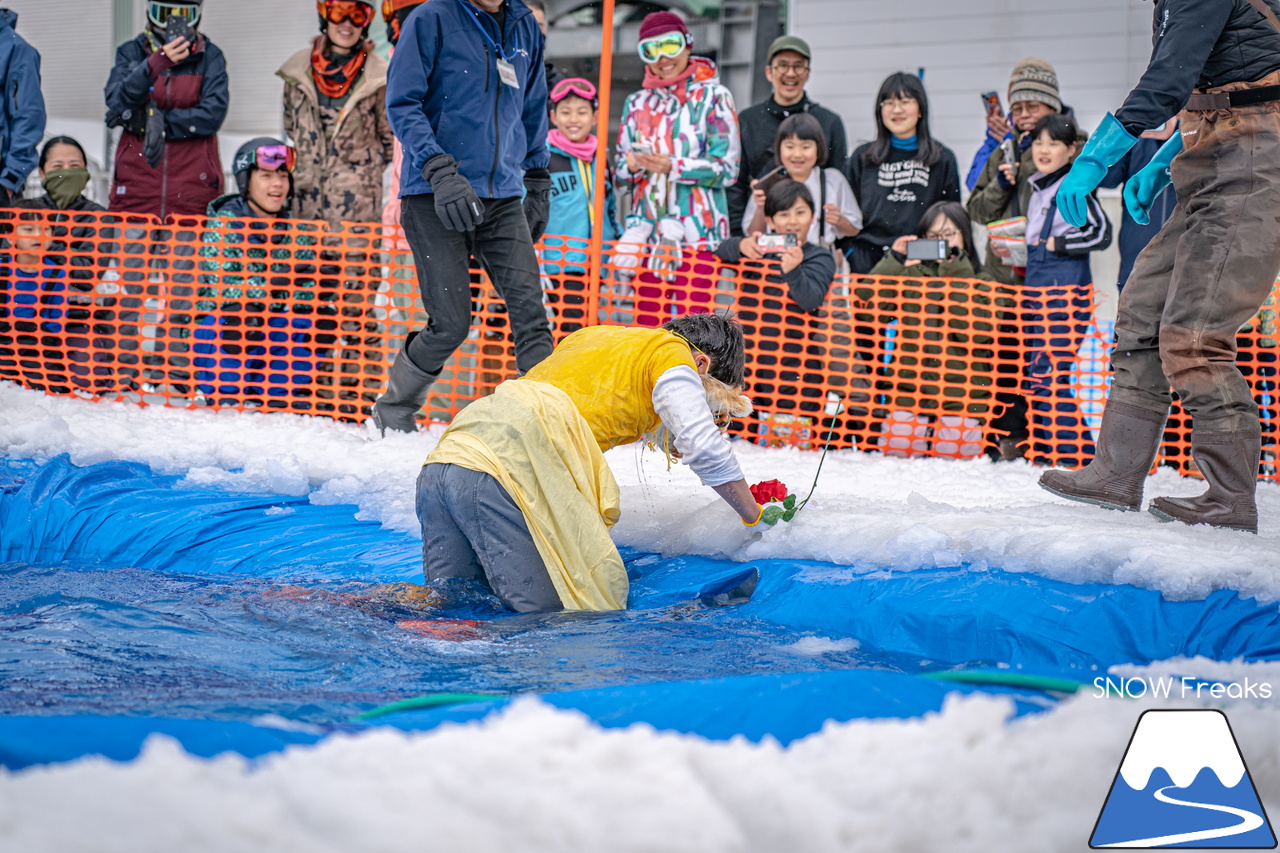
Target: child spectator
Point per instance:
(572, 222)
(806, 269)
(33, 302)
(801, 148)
(946, 220)
(1055, 306)
(900, 175)
(170, 96)
(263, 172)
(335, 111)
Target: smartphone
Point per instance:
(991, 103)
(177, 27)
(641, 148)
(1010, 156)
(928, 250)
(777, 242)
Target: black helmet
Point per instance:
(159, 12)
(262, 153)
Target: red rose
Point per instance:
(769, 490)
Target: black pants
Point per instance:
(501, 244)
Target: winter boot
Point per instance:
(1229, 462)
(407, 387)
(1127, 446)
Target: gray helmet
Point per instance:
(247, 159)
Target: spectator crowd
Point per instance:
(775, 183)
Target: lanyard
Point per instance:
(586, 176)
(475, 17)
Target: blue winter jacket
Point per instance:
(22, 121)
(444, 96)
(1134, 237)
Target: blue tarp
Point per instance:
(121, 590)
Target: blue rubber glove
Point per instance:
(1141, 190)
(1108, 144)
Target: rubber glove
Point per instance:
(1141, 190)
(1108, 144)
(457, 204)
(537, 201)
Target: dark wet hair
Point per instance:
(718, 336)
(781, 195)
(902, 85)
(806, 128)
(61, 140)
(959, 217)
(1059, 126)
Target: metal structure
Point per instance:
(747, 28)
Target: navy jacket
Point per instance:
(22, 103)
(444, 96)
(1199, 44)
(1134, 237)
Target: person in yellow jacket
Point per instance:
(517, 493)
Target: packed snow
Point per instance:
(535, 778)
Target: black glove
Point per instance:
(457, 204)
(537, 201)
(153, 137)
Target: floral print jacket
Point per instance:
(693, 122)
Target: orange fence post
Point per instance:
(604, 90)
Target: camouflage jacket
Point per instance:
(338, 178)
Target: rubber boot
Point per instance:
(407, 388)
(1229, 462)
(1127, 445)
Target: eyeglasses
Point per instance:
(897, 103)
(667, 44)
(573, 86)
(789, 67)
(160, 13)
(949, 234)
(336, 11)
(274, 158)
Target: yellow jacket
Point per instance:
(542, 437)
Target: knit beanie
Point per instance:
(657, 23)
(1035, 80)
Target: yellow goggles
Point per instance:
(667, 44)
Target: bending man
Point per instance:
(467, 98)
(518, 494)
(1206, 273)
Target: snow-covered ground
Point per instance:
(540, 779)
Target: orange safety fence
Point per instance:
(299, 317)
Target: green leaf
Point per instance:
(790, 502)
(788, 515)
(772, 514)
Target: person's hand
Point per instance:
(791, 258)
(177, 50)
(537, 201)
(831, 214)
(457, 204)
(997, 126)
(1141, 190)
(657, 163)
(757, 195)
(749, 248)
(633, 165)
(1000, 251)
(900, 245)
(1009, 172)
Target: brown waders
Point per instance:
(1200, 279)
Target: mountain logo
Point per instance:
(1183, 783)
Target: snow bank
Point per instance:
(870, 510)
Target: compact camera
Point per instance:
(928, 250)
(776, 242)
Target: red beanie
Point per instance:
(657, 23)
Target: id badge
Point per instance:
(507, 73)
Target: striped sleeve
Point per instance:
(1094, 236)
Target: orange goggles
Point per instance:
(390, 7)
(337, 11)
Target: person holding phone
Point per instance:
(169, 93)
(806, 269)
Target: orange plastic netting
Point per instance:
(298, 317)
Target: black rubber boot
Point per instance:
(1229, 462)
(407, 388)
(1127, 445)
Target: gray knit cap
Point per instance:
(1035, 80)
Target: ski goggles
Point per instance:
(337, 11)
(160, 13)
(573, 86)
(390, 7)
(274, 158)
(667, 44)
